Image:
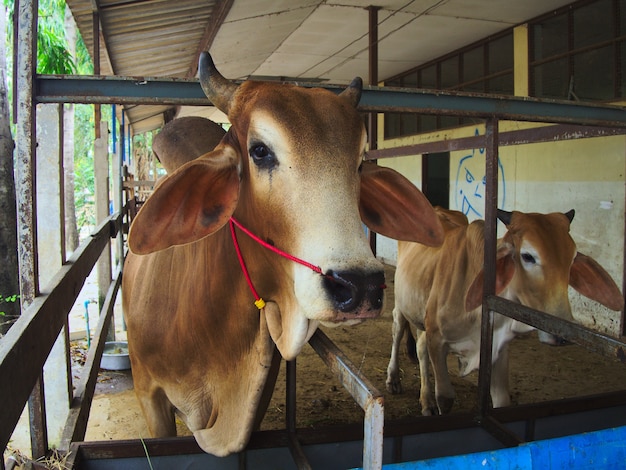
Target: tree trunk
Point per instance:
(71, 227)
(9, 274)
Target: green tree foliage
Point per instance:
(52, 56)
(52, 47)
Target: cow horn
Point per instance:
(504, 216)
(353, 92)
(218, 89)
(570, 215)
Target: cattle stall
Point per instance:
(371, 444)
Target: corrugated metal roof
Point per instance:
(324, 40)
(149, 38)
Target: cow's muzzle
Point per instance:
(356, 293)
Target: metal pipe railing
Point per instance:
(363, 392)
(26, 346)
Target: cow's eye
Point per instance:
(262, 156)
(528, 258)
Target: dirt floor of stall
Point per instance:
(538, 373)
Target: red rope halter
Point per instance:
(259, 302)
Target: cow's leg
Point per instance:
(158, 411)
(427, 400)
(400, 323)
(500, 395)
(438, 351)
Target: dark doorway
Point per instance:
(436, 178)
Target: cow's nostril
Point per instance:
(341, 289)
(350, 289)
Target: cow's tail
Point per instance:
(411, 350)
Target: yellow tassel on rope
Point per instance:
(260, 303)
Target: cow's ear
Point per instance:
(591, 280)
(392, 206)
(505, 268)
(191, 203)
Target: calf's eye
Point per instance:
(528, 258)
(262, 156)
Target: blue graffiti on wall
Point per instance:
(471, 182)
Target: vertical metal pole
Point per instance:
(61, 167)
(120, 195)
(373, 80)
(25, 195)
(290, 370)
(373, 71)
(101, 173)
(294, 445)
(622, 324)
(373, 438)
(491, 200)
(16, 28)
(96, 65)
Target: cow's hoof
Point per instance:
(445, 404)
(428, 407)
(394, 387)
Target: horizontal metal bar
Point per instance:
(384, 99)
(118, 90)
(533, 135)
(156, 91)
(565, 329)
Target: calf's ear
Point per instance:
(191, 203)
(505, 268)
(392, 206)
(591, 280)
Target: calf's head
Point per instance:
(291, 170)
(537, 259)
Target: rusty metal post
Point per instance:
(622, 322)
(295, 448)
(491, 200)
(373, 71)
(96, 66)
(373, 80)
(25, 195)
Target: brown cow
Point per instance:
(439, 290)
(290, 170)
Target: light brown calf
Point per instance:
(439, 290)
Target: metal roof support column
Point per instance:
(373, 81)
(491, 199)
(373, 71)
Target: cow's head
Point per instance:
(536, 261)
(291, 170)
